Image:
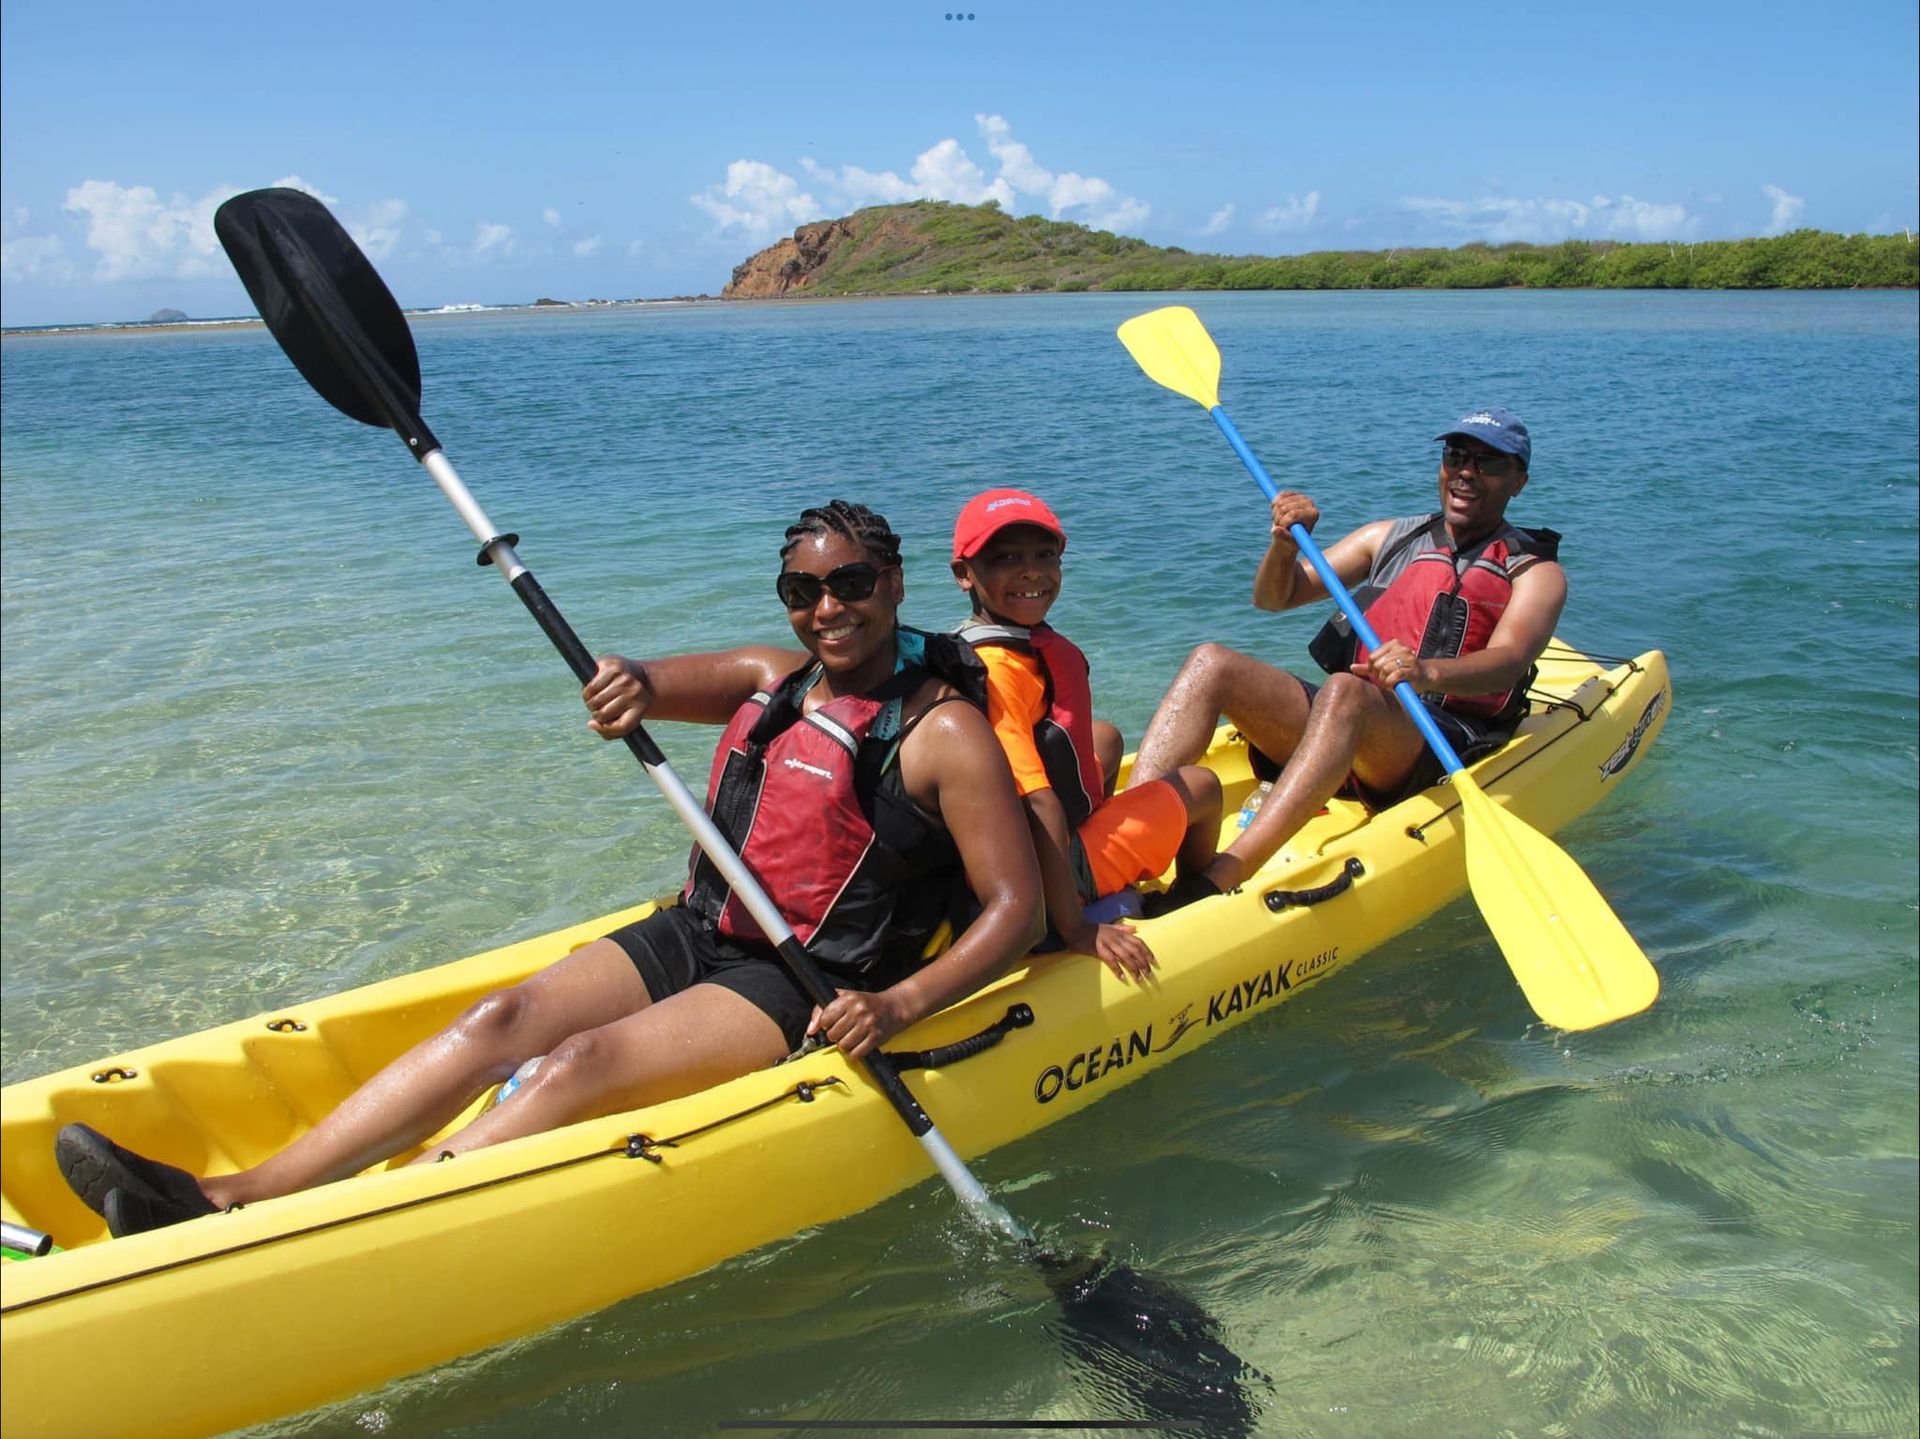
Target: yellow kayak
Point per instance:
(279, 1306)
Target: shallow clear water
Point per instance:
(268, 732)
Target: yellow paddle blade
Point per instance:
(1175, 350)
(1574, 959)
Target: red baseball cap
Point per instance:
(991, 511)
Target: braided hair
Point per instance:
(865, 527)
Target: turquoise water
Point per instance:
(268, 732)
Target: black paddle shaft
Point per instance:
(799, 963)
(340, 325)
(333, 315)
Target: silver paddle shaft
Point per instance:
(499, 551)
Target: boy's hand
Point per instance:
(1117, 947)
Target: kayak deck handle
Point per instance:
(1018, 1016)
(1279, 899)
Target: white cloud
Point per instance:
(861, 187)
(1218, 220)
(377, 229)
(943, 172)
(589, 246)
(1504, 219)
(759, 199)
(294, 182)
(1298, 213)
(947, 172)
(31, 257)
(492, 241)
(1017, 164)
(1085, 198)
(1631, 219)
(551, 216)
(1787, 209)
(136, 234)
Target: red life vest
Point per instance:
(1064, 733)
(1441, 602)
(815, 806)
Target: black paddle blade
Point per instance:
(328, 307)
(1151, 1347)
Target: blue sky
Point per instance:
(494, 153)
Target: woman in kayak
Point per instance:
(859, 793)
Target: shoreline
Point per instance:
(806, 297)
(253, 322)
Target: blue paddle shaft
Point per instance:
(1410, 701)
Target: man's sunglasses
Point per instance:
(1489, 466)
(801, 591)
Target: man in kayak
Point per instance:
(853, 784)
(1007, 548)
(1463, 603)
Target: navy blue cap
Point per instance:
(1497, 429)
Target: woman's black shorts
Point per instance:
(674, 950)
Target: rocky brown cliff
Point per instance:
(789, 264)
(793, 265)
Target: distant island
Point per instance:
(934, 247)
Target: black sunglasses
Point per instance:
(801, 591)
(1490, 466)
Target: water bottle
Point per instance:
(1252, 806)
(519, 1077)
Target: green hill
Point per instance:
(932, 247)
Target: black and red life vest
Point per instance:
(815, 806)
(1064, 734)
(1440, 602)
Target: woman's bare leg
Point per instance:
(683, 1044)
(426, 1087)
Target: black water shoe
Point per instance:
(128, 1213)
(1181, 893)
(95, 1168)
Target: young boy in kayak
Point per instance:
(1463, 603)
(861, 781)
(1007, 546)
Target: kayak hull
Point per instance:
(283, 1305)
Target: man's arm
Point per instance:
(1286, 580)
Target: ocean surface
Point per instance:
(269, 733)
